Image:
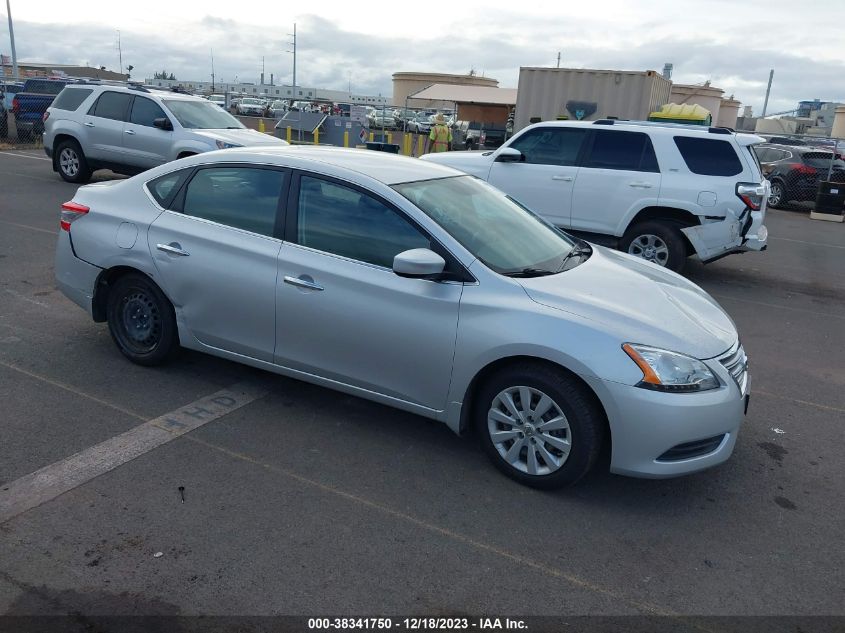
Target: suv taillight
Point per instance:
(805, 169)
(71, 211)
(16, 106)
(751, 194)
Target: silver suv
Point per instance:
(129, 129)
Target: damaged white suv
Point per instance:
(661, 192)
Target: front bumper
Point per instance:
(647, 425)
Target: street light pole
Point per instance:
(12, 38)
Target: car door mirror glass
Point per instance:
(163, 123)
(509, 155)
(418, 263)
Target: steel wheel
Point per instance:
(529, 430)
(650, 247)
(776, 195)
(139, 322)
(69, 162)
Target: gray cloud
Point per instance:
(330, 57)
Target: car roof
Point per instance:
(384, 167)
(655, 127)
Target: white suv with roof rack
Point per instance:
(129, 129)
(662, 192)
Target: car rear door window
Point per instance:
(709, 157)
(551, 145)
(145, 111)
(241, 197)
(111, 105)
(71, 98)
(344, 221)
(631, 151)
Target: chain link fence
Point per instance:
(803, 171)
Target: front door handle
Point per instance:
(130, 132)
(173, 248)
(564, 178)
(303, 283)
(89, 124)
(640, 185)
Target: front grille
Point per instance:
(736, 362)
(688, 450)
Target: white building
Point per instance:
(270, 91)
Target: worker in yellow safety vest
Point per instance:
(440, 137)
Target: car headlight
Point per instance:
(669, 371)
(225, 145)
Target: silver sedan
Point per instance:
(419, 287)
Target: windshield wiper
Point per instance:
(579, 250)
(529, 272)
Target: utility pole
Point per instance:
(293, 43)
(768, 90)
(212, 70)
(558, 59)
(12, 38)
(119, 52)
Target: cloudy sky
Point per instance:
(733, 44)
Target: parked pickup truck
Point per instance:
(31, 103)
(477, 135)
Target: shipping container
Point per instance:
(546, 94)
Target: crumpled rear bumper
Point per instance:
(716, 239)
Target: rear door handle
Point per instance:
(303, 283)
(564, 178)
(640, 185)
(173, 248)
(130, 132)
(89, 124)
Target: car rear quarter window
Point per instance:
(145, 111)
(344, 221)
(241, 197)
(71, 98)
(111, 105)
(163, 189)
(631, 151)
(709, 157)
(550, 145)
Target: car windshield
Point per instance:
(505, 236)
(201, 115)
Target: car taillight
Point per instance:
(71, 211)
(16, 105)
(751, 194)
(804, 169)
(45, 116)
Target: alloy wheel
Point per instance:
(775, 195)
(69, 162)
(650, 247)
(529, 430)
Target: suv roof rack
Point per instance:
(684, 126)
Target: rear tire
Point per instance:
(71, 163)
(141, 320)
(539, 425)
(660, 242)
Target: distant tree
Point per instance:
(164, 75)
(172, 77)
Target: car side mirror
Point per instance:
(418, 263)
(509, 155)
(163, 123)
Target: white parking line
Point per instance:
(789, 239)
(31, 228)
(43, 485)
(24, 156)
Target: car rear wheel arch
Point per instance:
(105, 282)
(185, 154)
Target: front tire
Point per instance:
(539, 425)
(659, 242)
(141, 320)
(71, 163)
(777, 195)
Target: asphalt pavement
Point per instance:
(304, 501)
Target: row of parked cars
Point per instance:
(419, 285)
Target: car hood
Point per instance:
(244, 137)
(475, 162)
(640, 302)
